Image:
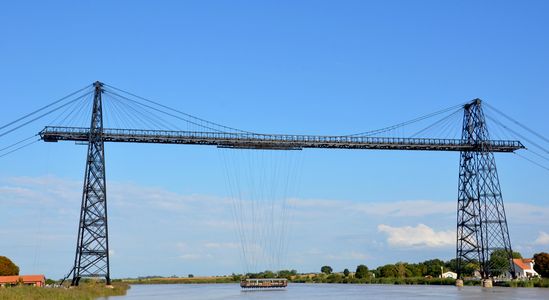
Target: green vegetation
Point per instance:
(536, 282)
(326, 269)
(499, 260)
(542, 264)
(340, 278)
(424, 273)
(7, 267)
(86, 291)
(183, 280)
(362, 272)
(346, 272)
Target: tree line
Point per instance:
(435, 267)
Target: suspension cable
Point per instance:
(164, 112)
(43, 115)
(178, 111)
(44, 107)
(518, 123)
(436, 123)
(532, 161)
(19, 148)
(518, 134)
(17, 143)
(389, 128)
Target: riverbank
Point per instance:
(321, 278)
(184, 280)
(86, 291)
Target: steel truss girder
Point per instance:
(275, 141)
(481, 221)
(92, 247)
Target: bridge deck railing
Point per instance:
(232, 139)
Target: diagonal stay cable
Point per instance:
(389, 128)
(532, 161)
(19, 148)
(518, 134)
(178, 111)
(17, 143)
(446, 118)
(518, 123)
(44, 107)
(164, 112)
(538, 155)
(43, 115)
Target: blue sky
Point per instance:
(317, 67)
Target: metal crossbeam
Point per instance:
(275, 141)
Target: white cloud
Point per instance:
(337, 230)
(527, 214)
(543, 238)
(419, 236)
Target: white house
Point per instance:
(449, 274)
(524, 268)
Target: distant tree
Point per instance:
(387, 271)
(346, 272)
(334, 278)
(236, 277)
(402, 270)
(415, 270)
(326, 269)
(7, 267)
(517, 254)
(287, 273)
(268, 274)
(190, 276)
(433, 267)
(451, 265)
(499, 261)
(362, 272)
(541, 264)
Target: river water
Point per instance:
(327, 291)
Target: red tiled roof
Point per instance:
(25, 278)
(522, 263)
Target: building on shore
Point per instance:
(524, 268)
(32, 280)
(450, 274)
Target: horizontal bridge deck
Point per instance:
(275, 141)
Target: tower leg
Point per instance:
(92, 248)
(483, 241)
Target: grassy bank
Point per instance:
(86, 291)
(384, 280)
(336, 278)
(542, 283)
(182, 280)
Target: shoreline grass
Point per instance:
(86, 291)
(541, 283)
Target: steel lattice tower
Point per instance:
(481, 222)
(92, 248)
